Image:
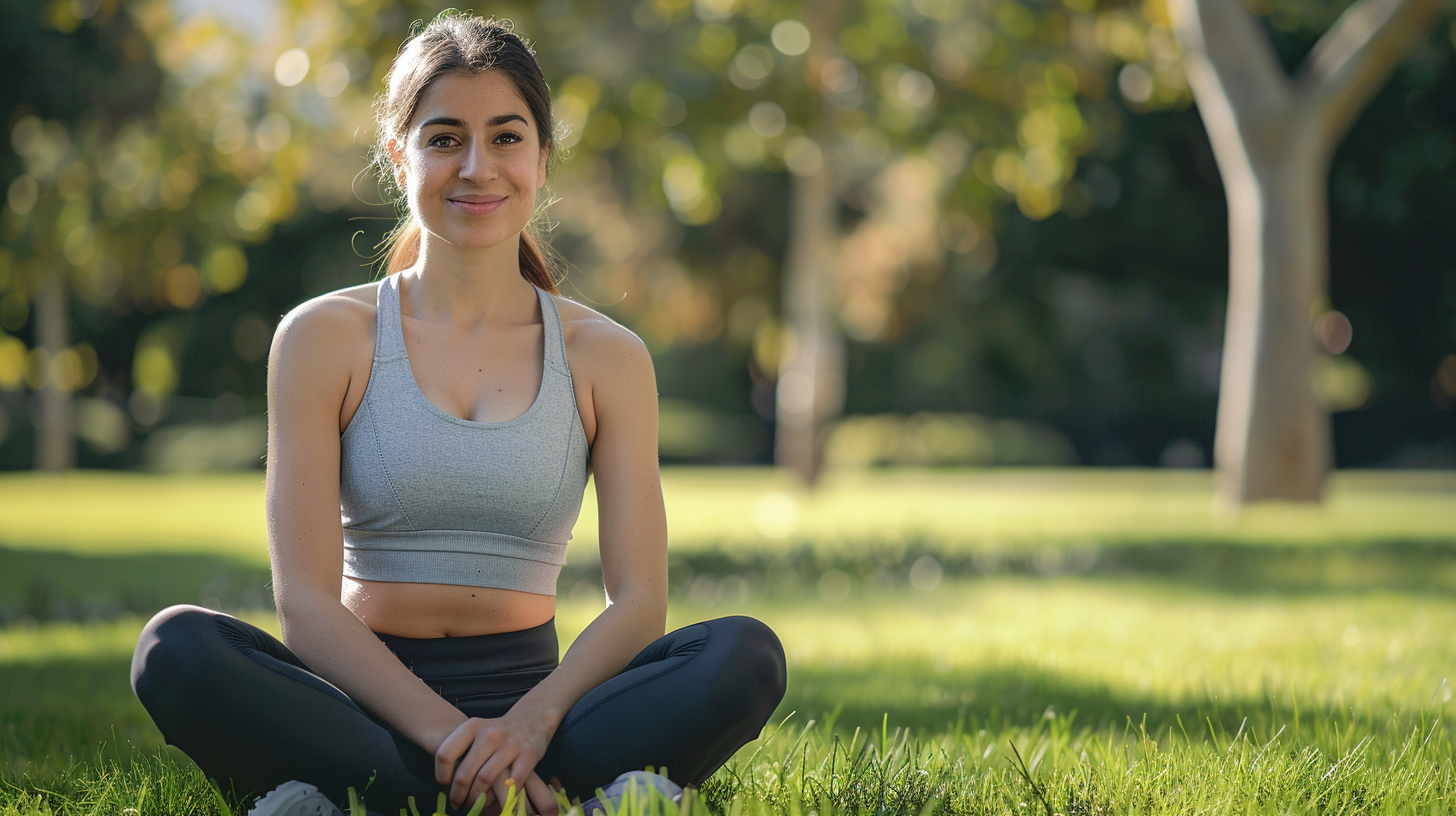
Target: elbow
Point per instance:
(302, 608)
(645, 604)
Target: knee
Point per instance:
(173, 645)
(755, 660)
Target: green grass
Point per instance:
(1141, 654)
(96, 512)
(1127, 696)
(91, 545)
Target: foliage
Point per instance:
(120, 192)
(1102, 319)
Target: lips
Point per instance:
(477, 204)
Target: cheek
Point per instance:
(423, 179)
(525, 173)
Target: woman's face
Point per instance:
(471, 160)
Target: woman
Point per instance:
(452, 412)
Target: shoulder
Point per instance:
(334, 319)
(329, 335)
(596, 343)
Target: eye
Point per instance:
(443, 140)
(509, 138)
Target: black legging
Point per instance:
(252, 715)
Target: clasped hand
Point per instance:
(481, 756)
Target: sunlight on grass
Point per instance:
(762, 509)
(1073, 643)
(60, 641)
(113, 511)
(1030, 508)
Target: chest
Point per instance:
(480, 375)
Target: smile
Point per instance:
(477, 207)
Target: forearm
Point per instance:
(338, 647)
(601, 651)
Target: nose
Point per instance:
(477, 165)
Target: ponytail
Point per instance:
(403, 246)
(533, 264)
(404, 250)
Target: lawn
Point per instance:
(1142, 653)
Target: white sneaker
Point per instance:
(294, 799)
(614, 793)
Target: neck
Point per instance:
(454, 284)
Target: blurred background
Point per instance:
(1018, 223)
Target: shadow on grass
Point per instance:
(65, 711)
(42, 586)
(1420, 566)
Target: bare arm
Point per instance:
(308, 376)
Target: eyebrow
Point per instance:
(494, 121)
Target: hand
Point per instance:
(481, 757)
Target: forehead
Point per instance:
(471, 98)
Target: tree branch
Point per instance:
(1228, 55)
(1354, 58)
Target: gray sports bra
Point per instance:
(431, 498)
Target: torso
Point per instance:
(484, 374)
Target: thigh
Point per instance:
(685, 703)
(252, 715)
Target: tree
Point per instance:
(133, 193)
(810, 390)
(1273, 137)
(899, 127)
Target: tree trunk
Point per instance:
(55, 438)
(810, 389)
(1273, 136)
(1273, 437)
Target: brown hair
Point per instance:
(458, 41)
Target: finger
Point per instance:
(541, 795)
(463, 787)
(523, 771)
(523, 768)
(464, 771)
(450, 751)
(495, 773)
(479, 788)
(490, 773)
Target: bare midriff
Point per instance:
(444, 610)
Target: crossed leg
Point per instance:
(252, 715)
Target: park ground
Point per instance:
(959, 642)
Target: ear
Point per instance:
(541, 168)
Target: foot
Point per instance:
(645, 781)
(294, 799)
